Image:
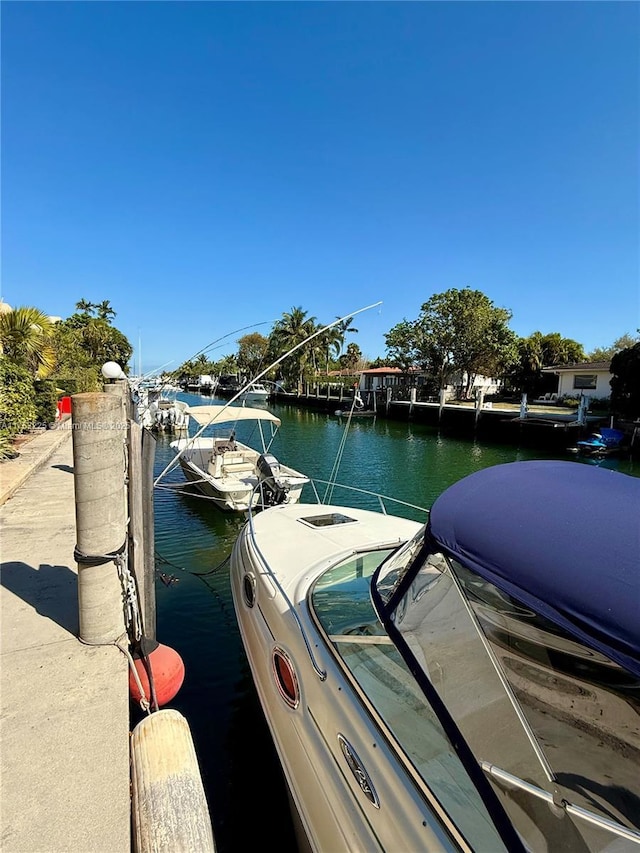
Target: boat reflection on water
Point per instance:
(468, 683)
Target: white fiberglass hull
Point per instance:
(231, 486)
(332, 793)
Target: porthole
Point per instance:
(249, 590)
(285, 677)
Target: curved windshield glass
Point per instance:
(535, 705)
(341, 603)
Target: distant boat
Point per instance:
(605, 442)
(234, 475)
(256, 392)
(157, 408)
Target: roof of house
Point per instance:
(583, 365)
(382, 370)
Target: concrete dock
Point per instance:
(64, 724)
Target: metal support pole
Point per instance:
(99, 435)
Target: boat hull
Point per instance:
(232, 491)
(346, 786)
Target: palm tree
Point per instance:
(104, 310)
(25, 339)
(84, 306)
(292, 329)
(343, 328)
(334, 338)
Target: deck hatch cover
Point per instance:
(328, 519)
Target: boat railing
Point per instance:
(381, 500)
(320, 672)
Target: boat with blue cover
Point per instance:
(605, 442)
(468, 682)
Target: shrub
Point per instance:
(17, 396)
(6, 445)
(45, 401)
(600, 404)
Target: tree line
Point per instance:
(42, 358)
(457, 333)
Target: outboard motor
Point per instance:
(273, 490)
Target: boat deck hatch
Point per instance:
(329, 519)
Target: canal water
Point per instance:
(195, 614)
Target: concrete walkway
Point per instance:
(64, 723)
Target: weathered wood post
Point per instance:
(412, 400)
(169, 806)
(99, 435)
(120, 389)
(479, 404)
(387, 404)
(523, 407)
(141, 527)
(441, 404)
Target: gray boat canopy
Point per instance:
(219, 414)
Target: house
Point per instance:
(587, 379)
(376, 378)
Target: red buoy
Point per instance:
(167, 670)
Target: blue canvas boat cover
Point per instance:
(562, 537)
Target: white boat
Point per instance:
(235, 475)
(158, 409)
(466, 684)
(256, 392)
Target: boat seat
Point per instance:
(233, 463)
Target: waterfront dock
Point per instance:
(64, 760)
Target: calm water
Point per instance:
(240, 770)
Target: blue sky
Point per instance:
(209, 166)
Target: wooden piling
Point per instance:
(169, 808)
(99, 435)
(141, 524)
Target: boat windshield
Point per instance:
(551, 721)
(341, 603)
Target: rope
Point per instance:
(132, 618)
(212, 571)
(98, 559)
(144, 702)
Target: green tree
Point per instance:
(104, 311)
(625, 382)
(26, 339)
(403, 345)
(538, 351)
(252, 353)
(607, 353)
(292, 329)
(458, 331)
(559, 350)
(333, 340)
(83, 343)
(352, 358)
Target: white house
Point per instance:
(376, 378)
(588, 379)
